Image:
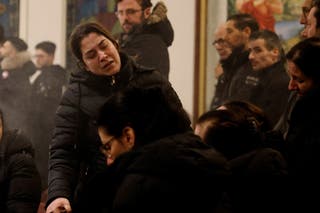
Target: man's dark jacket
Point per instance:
(148, 45)
(20, 184)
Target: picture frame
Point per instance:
(9, 17)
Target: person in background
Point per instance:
(146, 34)
(250, 110)
(53, 75)
(20, 184)
(74, 155)
(156, 163)
(305, 10)
(15, 89)
(238, 130)
(224, 51)
(238, 30)
(272, 138)
(266, 85)
(283, 124)
(47, 87)
(303, 134)
(313, 21)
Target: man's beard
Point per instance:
(133, 27)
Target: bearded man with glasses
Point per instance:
(147, 33)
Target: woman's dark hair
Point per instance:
(305, 55)
(232, 134)
(81, 31)
(250, 111)
(150, 111)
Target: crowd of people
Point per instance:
(116, 137)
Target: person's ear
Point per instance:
(128, 137)
(147, 12)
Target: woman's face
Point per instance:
(298, 81)
(100, 55)
(111, 146)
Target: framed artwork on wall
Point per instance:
(280, 16)
(9, 17)
(101, 11)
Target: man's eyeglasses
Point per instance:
(128, 12)
(107, 146)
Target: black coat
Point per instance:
(48, 86)
(47, 91)
(303, 146)
(303, 138)
(74, 150)
(234, 69)
(15, 93)
(178, 173)
(148, 45)
(267, 89)
(20, 185)
(258, 182)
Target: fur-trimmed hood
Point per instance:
(10, 63)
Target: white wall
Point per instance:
(46, 20)
(182, 16)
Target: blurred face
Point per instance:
(7, 50)
(43, 59)
(305, 9)
(298, 81)
(260, 57)
(223, 48)
(112, 147)
(130, 14)
(311, 27)
(100, 55)
(235, 37)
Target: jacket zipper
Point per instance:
(113, 80)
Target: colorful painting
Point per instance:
(97, 10)
(9, 17)
(282, 16)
